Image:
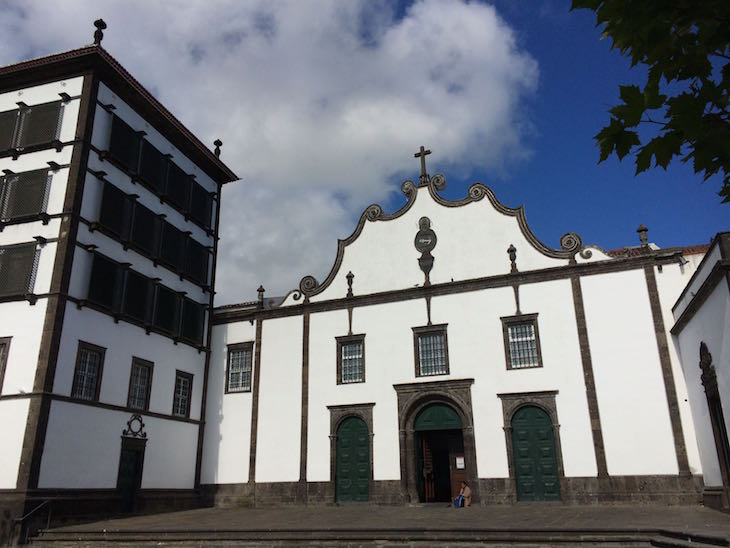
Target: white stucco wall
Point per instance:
(280, 399)
(13, 414)
(629, 385)
(169, 460)
(227, 416)
(24, 324)
(710, 325)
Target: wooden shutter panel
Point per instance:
(172, 247)
(192, 321)
(144, 229)
(152, 167)
(8, 119)
(166, 309)
(177, 189)
(39, 124)
(196, 262)
(24, 194)
(115, 210)
(124, 144)
(17, 269)
(200, 203)
(103, 282)
(136, 295)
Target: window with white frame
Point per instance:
(87, 374)
(350, 359)
(240, 358)
(522, 341)
(431, 350)
(183, 394)
(140, 383)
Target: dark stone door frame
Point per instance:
(511, 403)
(412, 399)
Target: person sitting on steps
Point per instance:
(464, 498)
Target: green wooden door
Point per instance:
(352, 471)
(129, 473)
(536, 466)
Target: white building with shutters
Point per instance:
(446, 344)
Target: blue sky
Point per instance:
(561, 184)
(321, 105)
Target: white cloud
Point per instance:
(320, 105)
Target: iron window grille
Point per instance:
(166, 312)
(140, 384)
(24, 194)
(87, 373)
(238, 376)
(193, 318)
(30, 126)
(183, 394)
(136, 296)
(350, 359)
(129, 150)
(18, 266)
(521, 341)
(431, 350)
(4, 351)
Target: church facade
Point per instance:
(446, 344)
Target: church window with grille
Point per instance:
(183, 394)
(350, 359)
(24, 194)
(140, 383)
(240, 358)
(431, 350)
(18, 265)
(87, 374)
(522, 342)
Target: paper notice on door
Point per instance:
(459, 463)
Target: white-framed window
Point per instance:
(522, 341)
(350, 359)
(183, 394)
(431, 350)
(140, 384)
(87, 374)
(240, 359)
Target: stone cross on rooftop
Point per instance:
(423, 179)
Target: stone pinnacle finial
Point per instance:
(218, 144)
(642, 230)
(99, 34)
(261, 291)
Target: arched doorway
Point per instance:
(535, 461)
(439, 453)
(352, 466)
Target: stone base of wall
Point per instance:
(292, 493)
(67, 506)
(669, 490)
(666, 490)
(717, 498)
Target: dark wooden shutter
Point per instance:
(172, 247)
(115, 210)
(103, 282)
(17, 269)
(124, 144)
(166, 309)
(152, 167)
(196, 262)
(39, 124)
(8, 119)
(177, 189)
(136, 295)
(145, 229)
(192, 321)
(23, 194)
(200, 205)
